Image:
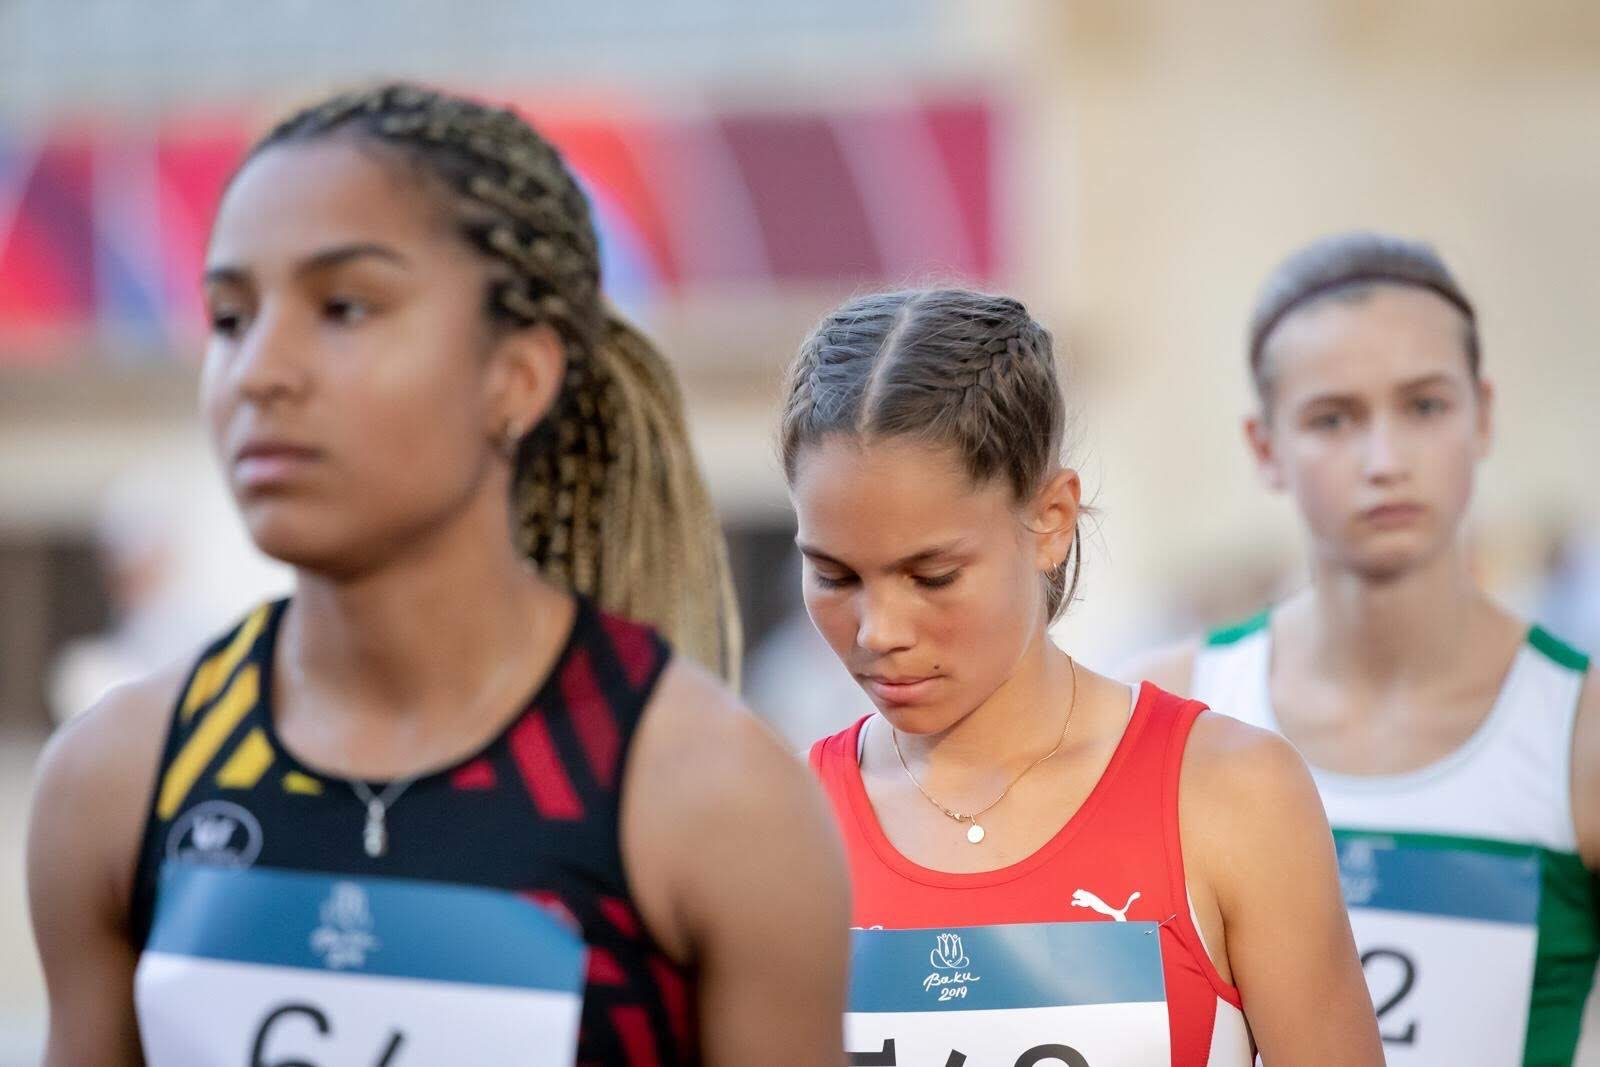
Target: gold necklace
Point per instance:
(975, 832)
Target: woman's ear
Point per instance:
(1053, 518)
(1258, 435)
(1485, 432)
(525, 372)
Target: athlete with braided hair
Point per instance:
(1048, 866)
(441, 806)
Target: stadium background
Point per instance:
(1131, 169)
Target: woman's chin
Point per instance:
(303, 546)
(918, 719)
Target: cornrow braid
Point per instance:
(607, 496)
(980, 366)
(947, 367)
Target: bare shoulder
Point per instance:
(1588, 714)
(1230, 762)
(1243, 786)
(694, 697)
(718, 816)
(114, 745)
(91, 794)
(1171, 666)
(698, 739)
(93, 785)
(1586, 770)
(1246, 802)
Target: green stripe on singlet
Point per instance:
(1569, 925)
(1567, 950)
(1564, 967)
(1557, 650)
(1228, 635)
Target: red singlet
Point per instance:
(1117, 859)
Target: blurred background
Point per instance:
(1130, 168)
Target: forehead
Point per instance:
(295, 199)
(1389, 335)
(882, 498)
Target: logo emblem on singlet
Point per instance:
(950, 976)
(947, 955)
(1358, 871)
(216, 832)
(1085, 899)
(345, 938)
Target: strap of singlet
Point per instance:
(815, 756)
(206, 683)
(1172, 720)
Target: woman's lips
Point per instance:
(899, 690)
(261, 466)
(1389, 516)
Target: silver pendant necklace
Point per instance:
(975, 831)
(375, 835)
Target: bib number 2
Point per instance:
(1464, 911)
(1381, 963)
(1038, 1056)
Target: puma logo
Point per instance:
(1085, 899)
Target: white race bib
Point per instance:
(1083, 994)
(270, 968)
(1447, 931)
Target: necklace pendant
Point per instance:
(975, 833)
(375, 836)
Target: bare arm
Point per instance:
(736, 865)
(1254, 826)
(1171, 667)
(1586, 772)
(93, 791)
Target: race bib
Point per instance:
(1447, 931)
(270, 968)
(1084, 994)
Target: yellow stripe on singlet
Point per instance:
(304, 784)
(250, 760)
(208, 738)
(212, 675)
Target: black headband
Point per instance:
(1450, 295)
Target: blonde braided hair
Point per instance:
(607, 496)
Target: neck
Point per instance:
(1019, 722)
(429, 627)
(1396, 630)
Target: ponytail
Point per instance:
(610, 502)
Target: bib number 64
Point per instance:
(282, 1016)
(1038, 1056)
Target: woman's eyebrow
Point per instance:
(921, 556)
(325, 259)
